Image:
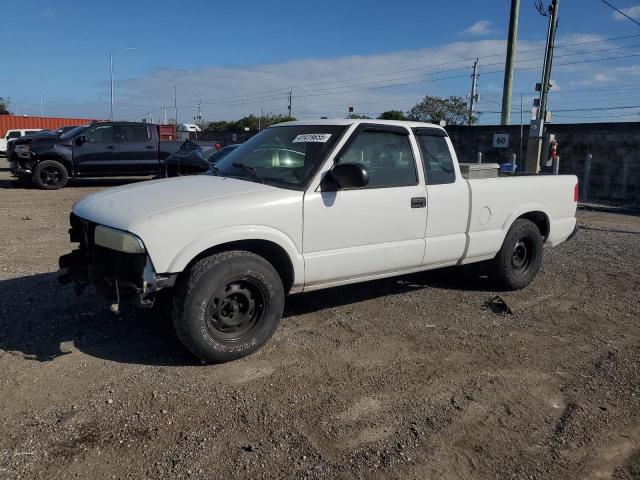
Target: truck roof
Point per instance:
(351, 121)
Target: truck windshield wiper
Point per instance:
(250, 170)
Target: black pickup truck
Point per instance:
(101, 149)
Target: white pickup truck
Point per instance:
(304, 206)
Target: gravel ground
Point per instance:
(411, 377)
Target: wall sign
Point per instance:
(500, 140)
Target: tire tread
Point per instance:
(194, 275)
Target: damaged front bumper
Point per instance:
(18, 170)
(121, 277)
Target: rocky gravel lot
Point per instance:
(411, 377)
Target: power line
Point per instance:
(621, 12)
(376, 85)
(637, 114)
(284, 91)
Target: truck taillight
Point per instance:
(576, 193)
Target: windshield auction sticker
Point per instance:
(312, 137)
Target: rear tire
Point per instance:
(228, 306)
(518, 261)
(50, 175)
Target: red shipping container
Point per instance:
(16, 122)
(167, 132)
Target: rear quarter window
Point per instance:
(436, 158)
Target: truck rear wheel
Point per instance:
(519, 259)
(50, 175)
(228, 306)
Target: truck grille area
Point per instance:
(114, 274)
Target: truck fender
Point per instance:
(522, 210)
(239, 233)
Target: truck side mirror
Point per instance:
(81, 139)
(347, 175)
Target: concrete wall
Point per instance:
(615, 147)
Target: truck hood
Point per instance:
(126, 207)
(50, 137)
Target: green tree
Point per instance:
(218, 126)
(453, 110)
(4, 107)
(392, 115)
(252, 122)
(358, 116)
(271, 119)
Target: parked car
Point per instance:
(188, 160)
(101, 149)
(213, 156)
(13, 134)
(304, 206)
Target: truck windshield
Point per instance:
(71, 133)
(285, 156)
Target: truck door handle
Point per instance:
(149, 147)
(418, 202)
(110, 147)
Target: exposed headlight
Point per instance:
(118, 240)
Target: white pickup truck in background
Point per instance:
(303, 206)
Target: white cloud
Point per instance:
(321, 87)
(482, 27)
(46, 13)
(633, 12)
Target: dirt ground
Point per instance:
(411, 377)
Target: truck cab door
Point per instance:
(363, 232)
(137, 149)
(97, 154)
(448, 198)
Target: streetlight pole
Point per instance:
(111, 76)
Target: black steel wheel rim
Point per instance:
(522, 256)
(235, 310)
(50, 176)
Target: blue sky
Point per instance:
(240, 57)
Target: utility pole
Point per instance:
(165, 114)
(199, 114)
(41, 108)
(508, 69)
(474, 94)
(175, 102)
(536, 130)
(290, 97)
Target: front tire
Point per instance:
(519, 259)
(228, 306)
(50, 175)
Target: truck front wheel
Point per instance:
(228, 306)
(50, 175)
(519, 259)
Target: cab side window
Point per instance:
(13, 135)
(387, 157)
(132, 133)
(436, 157)
(100, 134)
